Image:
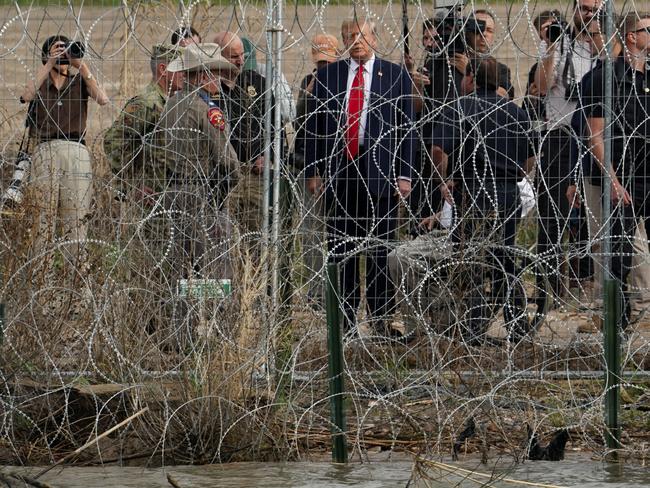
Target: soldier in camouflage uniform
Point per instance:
(129, 143)
(200, 165)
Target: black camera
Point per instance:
(73, 50)
(452, 32)
(556, 30)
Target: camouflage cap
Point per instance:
(165, 52)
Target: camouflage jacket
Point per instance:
(195, 137)
(130, 145)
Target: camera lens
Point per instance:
(555, 31)
(76, 50)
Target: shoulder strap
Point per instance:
(569, 69)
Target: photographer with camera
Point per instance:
(424, 199)
(445, 57)
(480, 30)
(451, 41)
(566, 56)
(61, 178)
(444, 42)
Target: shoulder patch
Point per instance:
(216, 118)
(132, 107)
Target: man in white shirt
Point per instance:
(566, 57)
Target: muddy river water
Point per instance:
(572, 472)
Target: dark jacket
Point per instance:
(490, 136)
(389, 135)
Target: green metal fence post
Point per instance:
(335, 361)
(611, 300)
(613, 361)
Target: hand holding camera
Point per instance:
(554, 30)
(460, 62)
(66, 53)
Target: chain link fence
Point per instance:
(167, 222)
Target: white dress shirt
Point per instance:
(559, 111)
(367, 81)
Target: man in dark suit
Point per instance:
(360, 157)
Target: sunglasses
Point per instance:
(644, 29)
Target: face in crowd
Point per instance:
(359, 40)
(175, 80)
(233, 51)
(211, 81)
(639, 38)
(482, 41)
(168, 79)
(585, 11)
(430, 39)
(596, 38)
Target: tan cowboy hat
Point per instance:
(200, 57)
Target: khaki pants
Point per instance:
(416, 267)
(61, 190)
(245, 202)
(639, 279)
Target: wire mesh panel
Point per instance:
(177, 176)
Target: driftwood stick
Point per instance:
(6, 479)
(92, 442)
(173, 481)
(10, 480)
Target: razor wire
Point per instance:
(166, 300)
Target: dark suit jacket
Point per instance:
(389, 135)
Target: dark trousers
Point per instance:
(623, 231)
(485, 230)
(425, 198)
(553, 211)
(361, 223)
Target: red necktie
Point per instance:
(355, 106)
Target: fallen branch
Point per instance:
(173, 481)
(456, 469)
(94, 441)
(5, 479)
(101, 462)
(10, 479)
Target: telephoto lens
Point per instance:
(13, 195)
